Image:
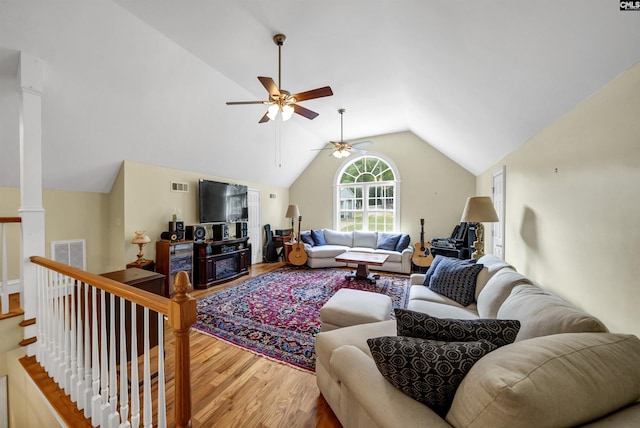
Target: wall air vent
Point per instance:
(72, 253)
(179, 187)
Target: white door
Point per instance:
(253, 227)
(497, 194)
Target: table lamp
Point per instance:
(141, 240)
(479, 209)
(293, 212)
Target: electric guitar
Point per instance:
(298, 256)
(422, 255)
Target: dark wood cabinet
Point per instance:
(216, 262)
(171, 258)
(144, 280)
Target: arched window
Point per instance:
(366, 195)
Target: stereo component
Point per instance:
(169, 236)
(242, 229)
(219, 232)
(195, 233)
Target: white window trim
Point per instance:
(398, 187)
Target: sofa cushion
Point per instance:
(387, 241)
(333, 237)
(394, 256)
(496, 291)
(427, 370)
(427, 276)
(541, 313)
(403, 242)
(492, 264)
(456, 279)
(318, 237)
(365, 239)
(326, 251)
(424, 326)
(306, 238)
(561, 380)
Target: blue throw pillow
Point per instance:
(318, 237)
(403, 242)
(432, 268)
(306, 238)
(388, 241)
(456, 279)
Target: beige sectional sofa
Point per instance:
(336, 243)
(564, 368)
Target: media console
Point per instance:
(215, 262)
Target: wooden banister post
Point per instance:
(182, 315)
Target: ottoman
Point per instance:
(350, 307)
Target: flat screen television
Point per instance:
(222, 202)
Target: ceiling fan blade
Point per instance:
(270, 86)
(362, 143)
(304, 111)
(231, 103)
(264, 118)
(314, 93)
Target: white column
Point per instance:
(31, 78)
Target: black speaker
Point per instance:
(170, 236)
(179, 225)
(195, 233)
(219, 232)
(241, 229)
(180, 235)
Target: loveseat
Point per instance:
(563, 368)
(323, 245)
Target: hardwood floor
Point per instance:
(232, 387)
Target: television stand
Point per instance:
(216, 262)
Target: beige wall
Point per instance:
(572, 204)
(433, 187)
(149, 204)
(68, 215)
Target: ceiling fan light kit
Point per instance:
(282, 101)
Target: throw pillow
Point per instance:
(417, 324)
(428, 371)
(403, 242)
(456, 279)
(387, 241)
(427, 276)
(306, 238)
(318, 237)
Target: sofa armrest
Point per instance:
(370, 392)
(416, 279)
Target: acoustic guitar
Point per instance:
(422, 255)
(298, 256)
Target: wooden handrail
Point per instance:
(10, 219)
(141, 297)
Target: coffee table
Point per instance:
(364, 260)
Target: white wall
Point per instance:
(573, 202)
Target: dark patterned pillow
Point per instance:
(427, 276)
(318, 237)
(387, 241)
(429, 371)
(424, 326)
(306, 238)
(456, 279)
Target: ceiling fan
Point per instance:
(342, 149)
(282, 101)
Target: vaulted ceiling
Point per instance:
(148, 80)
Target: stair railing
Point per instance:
(84, 346)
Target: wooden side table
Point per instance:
(288, 246)
(149, 265)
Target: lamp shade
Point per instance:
(479, 209)
(293, 212)
(140, 238)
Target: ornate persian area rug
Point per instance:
(277, 314)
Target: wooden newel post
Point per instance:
(182, 315)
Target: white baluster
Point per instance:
(3, 291)
(88, 322)
(65, 369)
(95, 362)
(72, 382)
(104, 362)
(41, 316)
(81, 319)
(135, 386)
(113, 386)
(124, 397)
(162, 405)
(147, 372)
(57, 334)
